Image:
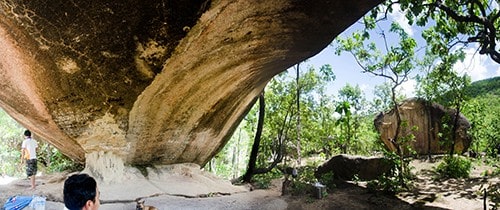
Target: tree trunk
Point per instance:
(454, 131)
(256, 143)
(429, 127)
(236, 157)
(348, 134)
(298, 116)
(396, 134)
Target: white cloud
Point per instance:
(497, 73)
(495, 5)
(399, 17)
(408, 88)
(473, 65)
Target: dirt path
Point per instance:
(428, 193)
(449, 193)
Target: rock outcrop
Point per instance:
(152, 82)
(346, 167)
(428, 120)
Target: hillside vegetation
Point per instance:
(487, 87)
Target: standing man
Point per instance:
(28, 153)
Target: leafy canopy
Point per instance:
(450, 22)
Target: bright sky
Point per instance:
(347, 70)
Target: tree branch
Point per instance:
(487, 37)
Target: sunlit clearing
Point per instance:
(6, 180)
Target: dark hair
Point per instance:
(27, 133)
(78, 189)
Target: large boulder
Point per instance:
(152, 82)
(428, 119)
(347, 167)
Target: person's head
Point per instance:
(80, 192)
(27, 133)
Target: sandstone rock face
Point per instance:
(152, 82)
(428, 120)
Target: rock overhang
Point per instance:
(152, 81)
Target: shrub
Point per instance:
(303, 183)
(397, 179)
(328, 180)
(454, 167)
(388, 184)
(60, 162)
(263, 181)
(494, 193)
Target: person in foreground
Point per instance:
(28, 154)
(81, 193)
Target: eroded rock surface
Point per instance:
(152, 82)
(425, 121)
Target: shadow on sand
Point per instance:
(351, 196)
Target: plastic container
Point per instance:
(37, 203)
(320, 190)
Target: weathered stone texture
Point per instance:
(428, 120)
(152, 81)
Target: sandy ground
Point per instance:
(256, 199)
(196, 192)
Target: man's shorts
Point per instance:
(31, 167)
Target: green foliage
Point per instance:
(454, 167)
(231, 161)
(484, 88)
(389, 184)
(483, 113)
(344, 109)
(444, 79)
(280, 124)
(446, 131)
(10, 146)
(399, 177)
(327, 179)
(301, 188)
(353, 95)
(59, 162)
(494, 195)
(494, 172)
(303, 184)
(452, 23)
(306, 174)
(11, 137)
(323, 133)
(263, 181)
(382, 101)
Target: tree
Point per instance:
(475, 113)
(344, 109)
(442, 83)
(453, 22)
(281, 113)
(382, 101)
(252, 170)
(297, 78)
(10, 151)
(394, 64)
(354, 97)
(450, 91)
(10, 145)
